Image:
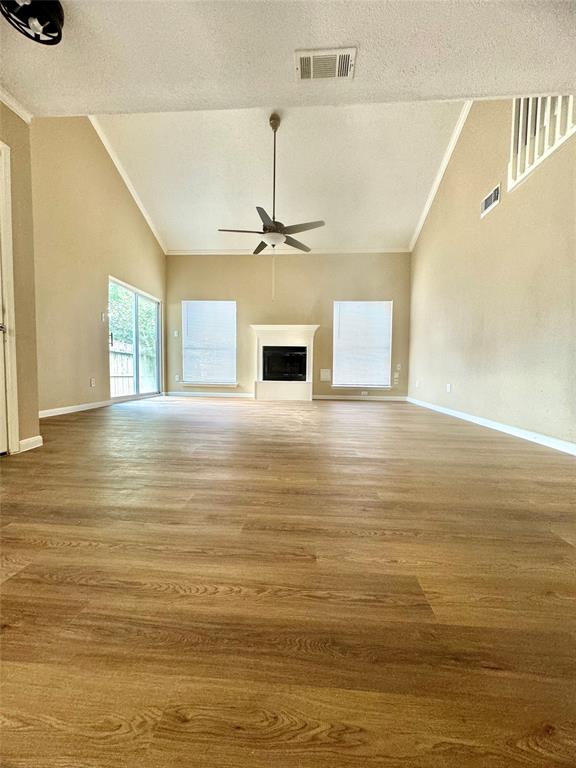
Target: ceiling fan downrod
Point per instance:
(274, 124)
(274, 232)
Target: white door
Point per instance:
(3, 399)
(8, 396)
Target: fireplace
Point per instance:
(284, 363)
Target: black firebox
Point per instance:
(284, 363)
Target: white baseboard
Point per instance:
(72, 409)
(30, 442)
(393, 398)
(250, 395)
(534, 437)
(89, 406)
(177, 393)
(389, 398)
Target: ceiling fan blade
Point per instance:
(297, 244)
(251, 231)
(259, 247)
(293, 228)
(264, 216)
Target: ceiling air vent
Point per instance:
(490, 201)
(329, 64)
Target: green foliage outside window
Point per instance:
(122, 304)
(121, 318)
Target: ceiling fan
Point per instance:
(273, 232)
(39, 20)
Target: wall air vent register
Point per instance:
(327, 64)
(490, 201)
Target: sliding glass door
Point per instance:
(134, 341)
(148, 334)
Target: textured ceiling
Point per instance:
(170, 55)
(366, 169)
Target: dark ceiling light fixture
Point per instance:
(273, 232)
(39, 20)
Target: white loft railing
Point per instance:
(540, 124)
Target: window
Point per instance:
(540, 124)
(362, 343)
(134, 341)
(209, 342)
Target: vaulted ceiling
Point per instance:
(182, 90)
(365, 169)
(170, 55)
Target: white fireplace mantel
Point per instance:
(284, 336)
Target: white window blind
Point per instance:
(209, 342)
(362, 343)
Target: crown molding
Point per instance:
(126, 179)
(441, 171)
(12, 103)
(292, 252)
(321, 251)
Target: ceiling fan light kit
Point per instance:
(38, 20)
(274, 232)
(273, 238)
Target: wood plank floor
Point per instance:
(232, 584)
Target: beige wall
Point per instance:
(305, 287)
(494, 299)
(16, 134)
(86, 227)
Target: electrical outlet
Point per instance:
(177, 377)
(325, 374)
(398, 366)
(92, 381)
(448, 387)
(176, 333)
(103, 316)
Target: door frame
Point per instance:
(7, 265)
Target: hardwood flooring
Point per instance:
(232, 584)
